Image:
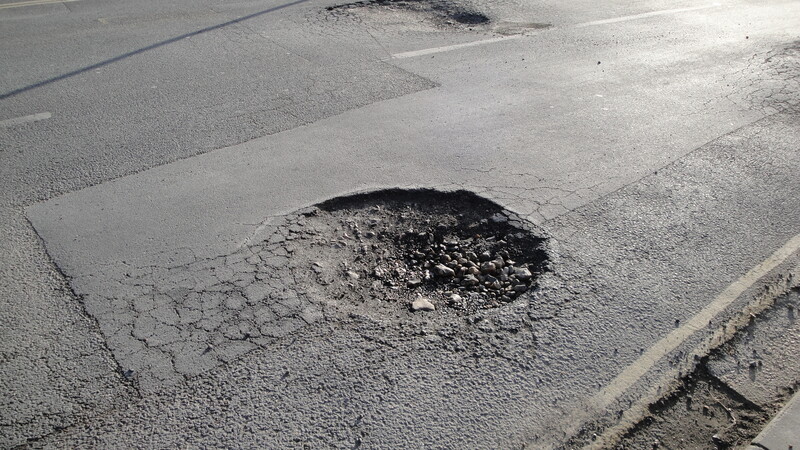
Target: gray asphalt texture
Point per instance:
(660, 153)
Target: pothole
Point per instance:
(361, 259)
(427, 250)
(438, 13)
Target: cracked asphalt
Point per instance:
(155, 250)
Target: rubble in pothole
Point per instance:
(422, 248)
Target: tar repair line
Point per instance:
(20, 120)
(644, 363)
(447, 48)
(34, 3)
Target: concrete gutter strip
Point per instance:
(783, 431)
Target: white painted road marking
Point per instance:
(20, 120)
(644, 363)
(447, 48)
(33, 3)
(645, 15)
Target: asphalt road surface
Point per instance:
(149, 150)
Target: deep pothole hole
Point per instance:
(469, 18)
(429, 250)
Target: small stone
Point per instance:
(352, 275)
(414, 282)
(445, 259)
(369, 234)
(455, 298)
(488, 267)
(443, 271)
(499, 263)
(485, 256)
(523, 274)
(473, 270)
(499, 218)
(422, 304)
(520, 288)
(470, 280)
(471, 256)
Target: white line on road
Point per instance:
(33, 3)
(447, 48)
(644, 363)
(20, 120)
(646, 15)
